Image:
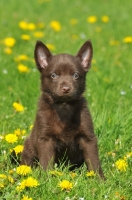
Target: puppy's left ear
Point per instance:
(85, 54)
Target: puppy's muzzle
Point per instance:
(66, 89)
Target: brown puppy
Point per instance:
(63, 128)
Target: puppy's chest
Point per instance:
(64, 132)
(62, 122)
(60, 130)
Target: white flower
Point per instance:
(82, 35)
(67, 198)
(23, 137)
(123, 92)
(4, 152)
(105, 196)
(5, 71)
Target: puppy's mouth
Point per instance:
(62, 98)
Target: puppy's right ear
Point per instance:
(41, 55)
(85, 54)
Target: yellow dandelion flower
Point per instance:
(3, 176)
(2, 185)
(10, 179)
(55, 25)
(65, 185)
(90, 173)
(95, 69)
(117, 194)
(23, 132)
(25, 37)
(40, 25)
(107, 80)
(31, 127)
(127, 39)
(29, 182)
(51, 47)
(92, 19)
(73, 174)
(18, 107)
(23, 25)
(9, 41)
(18, 149)
(110, 153)
(114, 43)
(31, 26)
(12, 171)
(98, 29)
(22, 68)
(113, 154)
(26, 198)
(73, 21)
(8, 50)
(56, 173)
(19, 132)
(11, 138)
(94, 61)
(23, 170)
(74, 37)
(27, 26)
(38, 34)
(21, 57)
(21, 186)
(121, 164)
(129, 155)
(105, 19)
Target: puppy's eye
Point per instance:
(54, 76)
(75, 75)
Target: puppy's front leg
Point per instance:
(46, 153)
(90, 154)
(28, 154)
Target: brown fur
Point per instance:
(63, 128)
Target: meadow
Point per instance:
(64, 26)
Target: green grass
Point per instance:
(109, 91)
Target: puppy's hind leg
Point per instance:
(28, 154)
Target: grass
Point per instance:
(109, 92)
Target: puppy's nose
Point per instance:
(65, 89)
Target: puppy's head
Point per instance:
(63, 75)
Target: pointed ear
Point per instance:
(85, 54)
(41, 55)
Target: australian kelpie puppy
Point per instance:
(63, 128)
